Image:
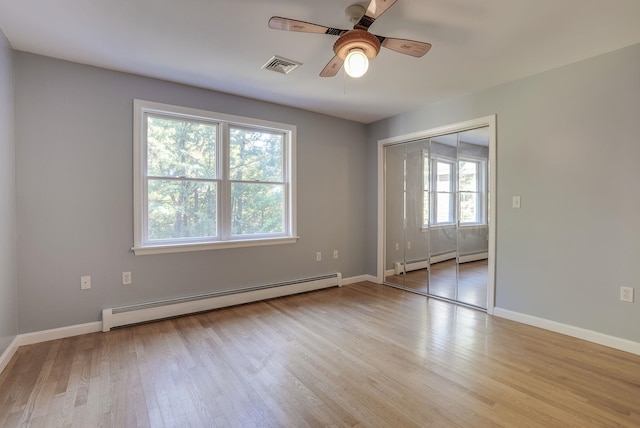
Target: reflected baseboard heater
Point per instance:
(400, 267)
(134, 314)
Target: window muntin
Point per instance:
(205, 180)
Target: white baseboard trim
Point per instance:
(44, 336)
(153, 311)
(359, 278)
(8, 353)
(569, 330)
(94, 327)
(59, 333)
(473, 257)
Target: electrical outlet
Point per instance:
(335, 254)
(318, 256)
(126, 278)
(85, 282)
(626, 294)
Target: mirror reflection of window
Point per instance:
(436, 193)
(471, 178)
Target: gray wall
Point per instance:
(8, 252)
(569, 145)
(74, 187)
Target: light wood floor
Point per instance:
(364, 355)
(469, 286)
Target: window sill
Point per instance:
(182, 248)
(437, 226)
(462, 226)
(473, 225)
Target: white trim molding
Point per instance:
(59, 333)
(95, 327)
(8, 353)
(360, 278)
(570, 330)
(154, 311)
(44, 336)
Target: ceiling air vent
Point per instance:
(281, 65)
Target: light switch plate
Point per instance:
(515, 202)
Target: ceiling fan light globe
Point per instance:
(356, 63)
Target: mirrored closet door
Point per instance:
(436, 201)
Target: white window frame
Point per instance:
(143, 246)
(432, 194)
(426, 190)
(453, 203)
(481, 190)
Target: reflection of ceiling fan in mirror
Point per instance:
(354, 48)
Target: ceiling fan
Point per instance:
(354, 48)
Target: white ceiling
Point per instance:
(222, 44)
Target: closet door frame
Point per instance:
(488, 121)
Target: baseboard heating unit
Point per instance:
(134, 314)
(402, 267)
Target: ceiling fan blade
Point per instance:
(375, 9)
(332, 68)
(279, 23)
(408, 47)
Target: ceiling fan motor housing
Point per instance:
(357, 38)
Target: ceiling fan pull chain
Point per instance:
(344, 82)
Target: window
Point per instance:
(472, 184)
(439, 204)
(426, 184)
(205, 180)
(444, 189)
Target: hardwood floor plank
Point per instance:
(363, 355)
